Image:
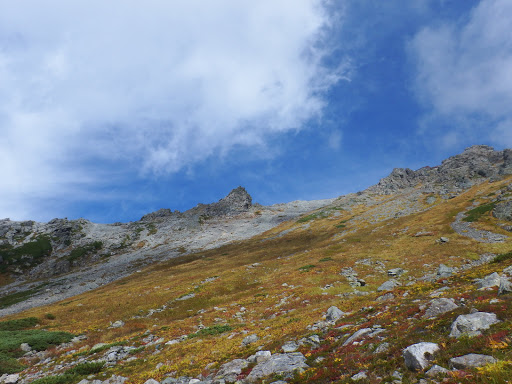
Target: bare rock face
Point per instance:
(455, 174)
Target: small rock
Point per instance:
(444, 271)
(249, 340)
(384, 347)
(436, 370)
(281, 364)
(186, 297)
(357, 335)
(385, 297)
(230, 371)
(418, 356)
(97, 347)
(471, 361)
(290, 346)
(505, 286)
(472, 324)
(151, 381)
(117, 324)
(25, 347)
(12, 379)
(333, 314)
(359, 376)
(492, 280)
(194, 381)
(439, 306)
(508, 271)
(388, 285)
(395, 272)
(443, 239)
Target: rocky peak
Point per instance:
(237, 201)
(474, 165)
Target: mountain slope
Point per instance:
(181, 319)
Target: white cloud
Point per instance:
(464, 73)
(155, 85)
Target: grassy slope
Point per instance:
(279, 313)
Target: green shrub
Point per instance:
(325, 259)
(58, 379)
(476, 213)
(87, 368)
(35, 250)
(9, 364)
(82, 251)
(502, 257)
(49, 316)
(18, 324)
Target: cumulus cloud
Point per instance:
(464, 74)
(156, 86)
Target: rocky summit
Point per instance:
(408, 281)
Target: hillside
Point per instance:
(320, 292)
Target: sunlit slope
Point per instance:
(278, 284)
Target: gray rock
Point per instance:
(278, 382)
(472, 324)
(492, 280)
(333, 314)
(384, 347)
(385, 297)
(249, 340)
(472, 360)
(97, 347)
(357, 336)
(12, 379)
(186, 297)
(444, 271)
(117, 324)
(359, 376)
(281, 364)
(505, 286)
(25, 347)
(503, 210)
(290, 346)
(230, 371)
(151, 381)
(388, 285)
(418, 356)
(395, 272)
(262, 356)
(439, 306)
(436, 370)
(508, 271)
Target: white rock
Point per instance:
(262, 356)
(439, 306)
(12, 379)
(471, 361)
(489, 281)
(333, 314)
(436, 370)
(472, 324)
(151, 381)
(418, 356)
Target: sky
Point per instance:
(110, 110)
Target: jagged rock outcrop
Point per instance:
(456, 173)
(237, 201)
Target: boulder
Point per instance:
(384, 347)
(418, 356)
(388, 285)
(333, 314)
(472, 324)
(503, 210)
(444, 271)
(230, 371)
(25, 347)
(436, 370)
(12, 379)
(281, 364)
(439, 306)
(262, 356)
(395, 272)
(472, 360)
(290, 346)
(151, 381)
(505, 286)
(357, 335)
(489, 281)
(508, 271)
(249, 340)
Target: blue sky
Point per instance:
(110, 110)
